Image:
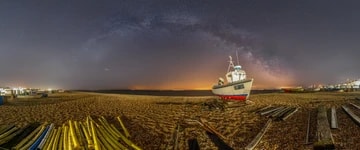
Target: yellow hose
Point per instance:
(27, 138)
(56, 139)
(111, 139)
(103, 140)
(87, 136)
(8, 132)
(88, 126)
(61, 138)
(96, 142)
(69, 138)
(79, 135)
(11, 136)
(28, 144)
(72, 134)
(123, 127)
(110, 133)
(111, 129)
(106, 127)
(50, 139)
(65, 137)
(126, 140)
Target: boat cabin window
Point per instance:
(238, 87)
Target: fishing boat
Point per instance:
(238, 87)
(293, 89)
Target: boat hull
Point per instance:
(239, 91)
(293, 90)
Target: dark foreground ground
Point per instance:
(153, 120)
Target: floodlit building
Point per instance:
(350, 85)
(19, 91)
(5, 91)
(353, 85)
(356, 84)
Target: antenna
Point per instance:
(237, 57)
(231, 64)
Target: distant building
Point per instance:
(350, 85)
(353, 85)
(19, 91)
(6, 91)
(356, 84)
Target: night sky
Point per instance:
(165, 44)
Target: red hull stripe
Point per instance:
(233, 97)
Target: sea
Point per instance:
(172, 92)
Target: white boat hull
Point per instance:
(239, 90)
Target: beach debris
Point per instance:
(354, 117)
(270, 111)
(334, 123)
(218, 141)
(289, 113)
(280, 112)
(277, 112)
(258, 110)
(356, 106)
(258, 137)
(88, 134)
(218, 104)
(214, 135)
(193, 144)
(214, 104)
(324, 137)
(205, 124)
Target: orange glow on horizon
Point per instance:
(199, 86)
(265, 77)
(174, 86)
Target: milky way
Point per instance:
(176, 44)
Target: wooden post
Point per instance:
(270, 111)
(352, 115)
(323, 133)
(290, 113)
(356, 106)
(334, 123)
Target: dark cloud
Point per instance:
(175, 44)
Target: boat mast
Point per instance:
(231, 63)
(237, 57)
